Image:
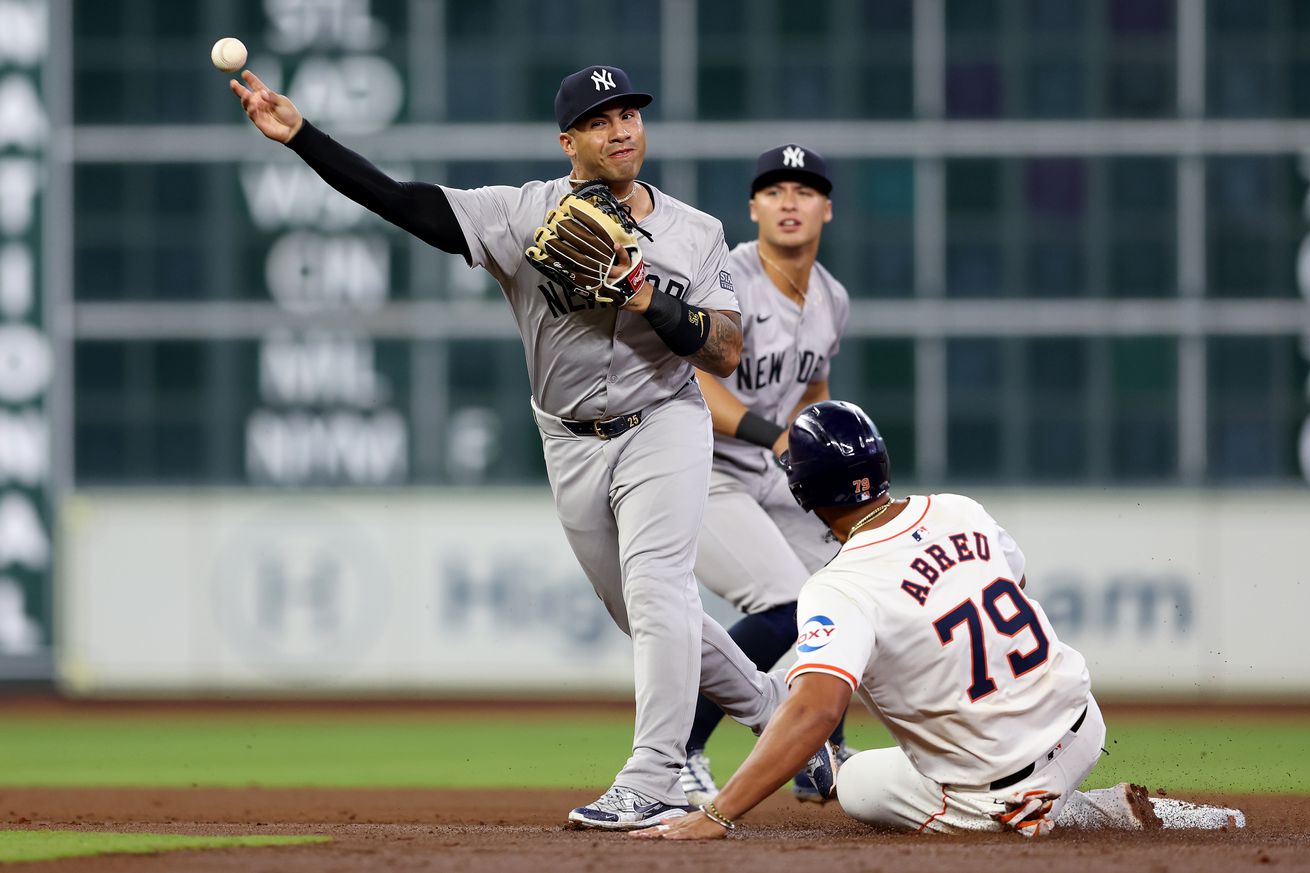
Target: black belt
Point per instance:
(604, 428)
(1022, 774)
(609, 428)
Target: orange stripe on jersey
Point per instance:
(935, 815)
(806, 668)
(912, 526)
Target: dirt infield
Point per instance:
(485, 831)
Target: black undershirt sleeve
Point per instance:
(418, 207)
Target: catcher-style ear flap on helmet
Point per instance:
(835, 457)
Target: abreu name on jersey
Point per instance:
(981, 550)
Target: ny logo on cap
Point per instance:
(793, 156)
(603, 79)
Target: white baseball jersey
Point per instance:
(784, 348)
(924, 618)
(586, 359)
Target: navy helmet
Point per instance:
(835, 456)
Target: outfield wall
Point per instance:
(1172, 593)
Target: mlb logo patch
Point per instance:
(725, 281)
(920, 534)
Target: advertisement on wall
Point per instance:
(326, 414)
(26, 358)
(448, 593)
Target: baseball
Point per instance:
(228, 54)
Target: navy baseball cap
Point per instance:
(792, 163)
(581, 92)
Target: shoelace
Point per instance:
(624, 799)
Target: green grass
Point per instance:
(315, 750)
(499, 749)
(1232, 755)
(48, 845)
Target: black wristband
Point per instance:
(683, 327)
(758, 430)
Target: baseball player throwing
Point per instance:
(793, 315)
(619, 292)
(923, 614)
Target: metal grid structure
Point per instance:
(937, 333)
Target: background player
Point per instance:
(757, 546)
(923, 615)
(626, 434)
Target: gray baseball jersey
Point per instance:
(586, 359)
(631, 506)
(785, 348)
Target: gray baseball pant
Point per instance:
(632, 509)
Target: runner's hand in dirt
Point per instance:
(693, 826)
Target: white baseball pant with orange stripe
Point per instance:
(882, 787)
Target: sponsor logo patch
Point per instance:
(815, 633)
(725, 281)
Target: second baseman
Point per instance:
(793, 316)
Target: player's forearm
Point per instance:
(726, 410)
(722, 350)
(709, 338)
(416, 207)
(733, 418)
(796, 732)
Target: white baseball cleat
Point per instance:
(622, 809)
(697, 780)
(1123, 807)
(1181, 814)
